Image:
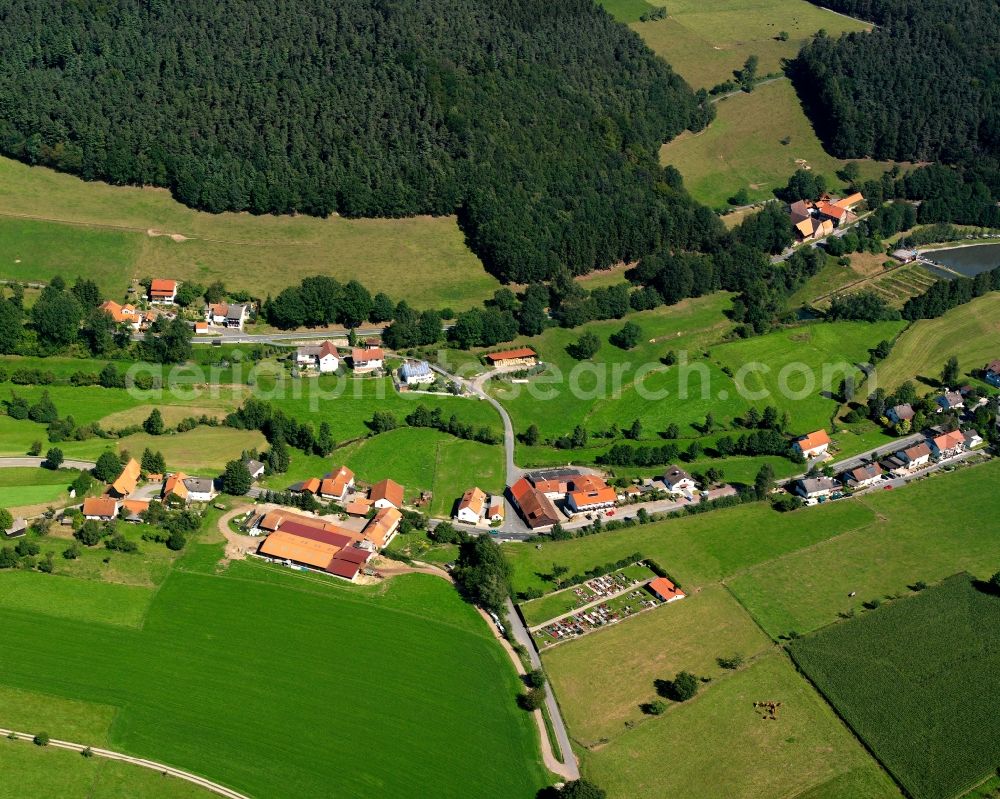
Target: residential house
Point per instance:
(471, 506)
(972, 438)
(216, 312)
(900, 413)
(200, 489)
(862, 476)
(677, 481)
(837, 214)
(336, 485)
(386, 494)
(372, 343)
(947, 445)
(523, 356)
(914, 457)
(322, 357)
(383, 527)
(174, 484)
(992, 373)
(256, 468)
(495, 511)
(126, 482)
(799, 211)
(163, 291)
(813, 227)
(122, 314)
(813, 445)
(416, 373)
(134, 508)
(367, 360)
(949, 401)
(665, 590)
(100, 509)
(816, 487)
(536, 508)
(236, 315)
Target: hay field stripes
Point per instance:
(895, 285)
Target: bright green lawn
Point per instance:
(73, 599)
(705, 42)
(33, 771)
(742, 148)
(25, 710)
(695, 550)
(236, 649)
(261, 254)
(601, 679)
(23, 486)
(916, 534)
(718, 744)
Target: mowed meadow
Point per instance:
(52, 223)
(269, 682)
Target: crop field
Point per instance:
(719, 744)
(915, 535)
(926, 705)
(449, 689)
(895, 286)
(58, 224)
(24, 486)
(695, 550)
(33, 771)
(602, 678)
(971, 332)
(706, 42)
(742, 148)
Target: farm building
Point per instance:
(133, 508)
(554, 483)
(122, 314)
(256, 468)
(336, 485)
(383, 527)
(665, 590)
(100, 508)
(18, 528)
(126, 482)
(813, 445)
(536, 508)
(524, 356)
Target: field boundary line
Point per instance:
(167, 771)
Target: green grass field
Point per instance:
(57, 224)
(33, 771)
(706, 42)
(925, 531)
(602, 678)
(742, 148)
(24, 486)
(718, 744)
(267, 654)
(971, 332)
(695, 550)
(926, 703)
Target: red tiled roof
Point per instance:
(99, 506)
(664, 588)
(388, 490)
(950, 440)
(337, 539)
(343, 568)
(537, 508)
(160, 285)
(813, 440)
(602, 496)
(506, 355)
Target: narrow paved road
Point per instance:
(12, 463)
(522, 636)
(168, 771)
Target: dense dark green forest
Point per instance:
(537, 122)
(923, 85)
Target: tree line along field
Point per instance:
(52, 223)
(705, 43)
(742, 148)
(204, 633)
(604, 391)
(926, 704)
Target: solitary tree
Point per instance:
(683, 687)
(764, 482)
(236, 479)
(635, 431)
(531, 435)
(585, 347)
(627, 337)
(54, 458)
(154, 423)
(950, 373)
